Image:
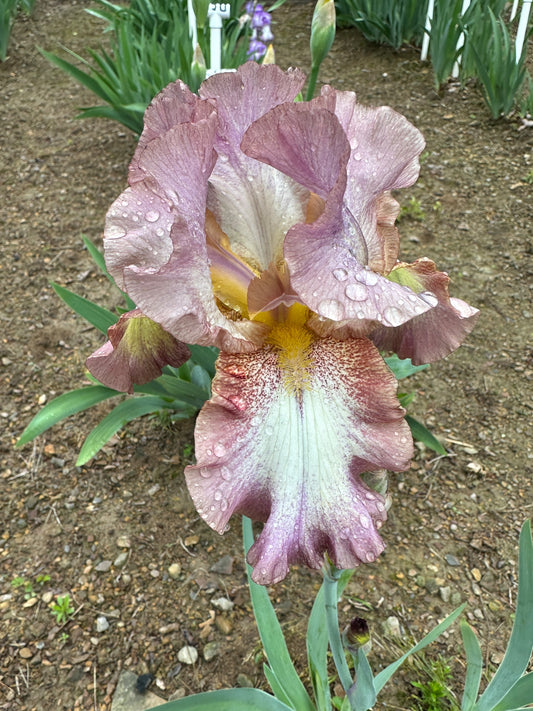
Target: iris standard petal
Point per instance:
(284, 440)
(253, 204)
(135, 353)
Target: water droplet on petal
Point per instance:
(365, 522)
(331, 308)
(124, 203)
(220, 449)
(340, 274)
(152, 216)
(370, 557)
(357, 156)
(367, 276)
(356, 292)
(394, 316)
(115, 231)
(223, 505)
(205, 473)
(217, 495)
(429, 298)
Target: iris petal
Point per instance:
(293, 457)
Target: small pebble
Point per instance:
(174, 570)
(445, 593)
(101, 623)
(188, 655)
(391, 626)
(103, 566)
(121, 560)
(123, 542)
(245, 682)
(224, 566)
(223, 604)
(211, 650)
(223, 625)
(451, 560)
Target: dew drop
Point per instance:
(331, 308)
(429, 298)
(356, 292)
(393, 316)
(135, 218)
(357, 156)
(223, 505)
(365, 523)
(370, 557)
(217, 495)
(269, 431)
(124, 203)
(115, 232)
(340, 274)
(152, 216)
(205, 473)
(367, 276)
(220, 449)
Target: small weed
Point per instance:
(412, 210)
(434, 694)
(437, 207)
(62, 608)
(529, 178)
(188, 451)
(64, 637)
(29, 590)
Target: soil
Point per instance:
(453, 528)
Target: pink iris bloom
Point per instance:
(265, 227)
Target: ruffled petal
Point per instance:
(253, 204)
(174, 104)
(384, 156)
(436, 333)
(135, 353)
(293, 457)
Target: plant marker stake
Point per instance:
(522, 28)
(513, 10)
(192, 23)
(460, 41)
(217, 11)
(427, 30)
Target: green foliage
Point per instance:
(433, 693)
(529, 178)
(8, 13)
(494, 58)
(385, 22)
(149, 47)
(29, 590)
(413, 210)
(62, 608)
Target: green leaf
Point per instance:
(99, 317)
(204, 356)
(226, 700)
(383, 677)
(64, 406)
(123, 413)
(272, 637)
(474, 666)
(278, 690)
(402, 367)
(520, 644)
(521, 693)
(422, 434)
(317, 644)
(99, 260)
(363, 693)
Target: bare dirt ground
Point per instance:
(453, 529)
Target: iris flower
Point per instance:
(265, 227)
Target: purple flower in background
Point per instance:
(261, 31)
(266, 228)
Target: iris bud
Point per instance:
(322, 30)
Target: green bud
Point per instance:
(198, 67)
(322, 31)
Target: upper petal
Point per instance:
(253, 204)
(294, 458)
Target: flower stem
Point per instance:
(313, 76)
(332, 621)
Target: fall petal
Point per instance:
(293, 458)
(135, 353)
(439, 331)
